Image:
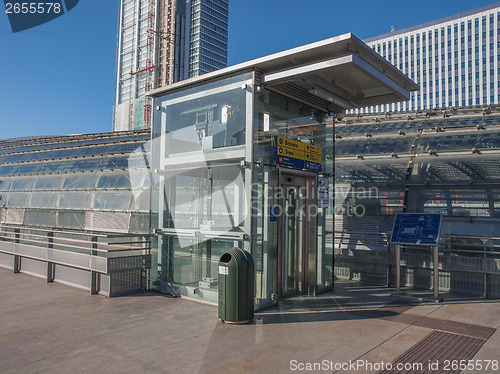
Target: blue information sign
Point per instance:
(273, 213)
(416, 228)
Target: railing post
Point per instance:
(388, 273)
(93, 274)
(436, 272)
(17, 258)
(398, 269)
(485, 267)
(50, 265)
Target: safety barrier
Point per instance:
(467, 264)
(110, 264)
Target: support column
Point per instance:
(398, 269)
(436, 272)
(93, 274)
(50, 265)
(17, 258)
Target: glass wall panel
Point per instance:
(465, 201)
(81, 181)
(47, 182)
(218, 119)
(373, 146)
(141, 201)
(116, 179)
(458, 142)
(210, 116)
(199, 260)
(22, 184)
(14, 199)
(110, 200)
(371, 171)
(39, 218)
(199, 180)
(40, 200)
(455, 168)
(71, 200)
(209, 198)
(70, 219)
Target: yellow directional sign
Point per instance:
(291, 153)
(313, 158)
(298, 150)
(314, 150)
(291, 144)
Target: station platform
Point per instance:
(59, 329)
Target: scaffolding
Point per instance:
(159, 37)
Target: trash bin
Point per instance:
(236, 287)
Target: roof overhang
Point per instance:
(331, 75)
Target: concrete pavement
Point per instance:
(59, 329)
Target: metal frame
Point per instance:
(98, 254)
(447, 253)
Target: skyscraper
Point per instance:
(455, 60)
(161, 42)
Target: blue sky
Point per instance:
(59, 78)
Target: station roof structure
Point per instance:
(332, 75)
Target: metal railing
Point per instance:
(95, 253)
(464, 260)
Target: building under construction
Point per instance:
(161, 42)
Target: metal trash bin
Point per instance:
(236, 287)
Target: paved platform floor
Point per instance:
(54, 328)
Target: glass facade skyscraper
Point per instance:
(455, 60)
(161, 42)
(208, 36)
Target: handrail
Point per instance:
(77, 233)
(50, 239)
(448, 236)
(484, 248)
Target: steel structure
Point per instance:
(437, 161)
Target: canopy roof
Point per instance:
(331, 75)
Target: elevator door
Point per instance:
(294, 257)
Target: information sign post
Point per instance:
(417, 229)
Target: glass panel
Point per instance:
(14, 199)
(455, 169)
(373, 146)
(369, 201)
(458, 141)
(374, 172)
(21, 184)
(78, 182)
(217, 120)
(70, 220)
(5, 184)
(208, 199)
(376, 128)
(198, 261)
(455, 201)
(71, 200)
(118, 179)
(139, 223)
(8, 170)
(41, 200)
(111, 200)
(46, 183)
(141, 201)
(36, 217)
